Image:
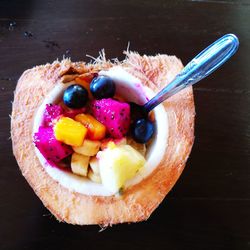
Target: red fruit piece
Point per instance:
(52, 112)
(71, 113)
(52, 149)
(114, 115)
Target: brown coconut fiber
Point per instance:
(139, 201)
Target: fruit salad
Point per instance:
(93, 133)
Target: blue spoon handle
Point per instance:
(200, 67)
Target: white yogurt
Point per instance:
(131, 89)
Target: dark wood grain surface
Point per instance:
(209, 208)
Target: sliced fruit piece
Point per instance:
(94, 165)
(94, 177)
(106, 142)
(70, 132)
(89, 148)
(79, 164)
(119, 164)
(96, 130)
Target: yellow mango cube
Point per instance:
(96, 130)
(70, 131)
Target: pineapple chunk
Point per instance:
(88, 148)
(94, 177)
(119, 164)
(69, 131)
(79, 164)
(96, 130)
(94, 165)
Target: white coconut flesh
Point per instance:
(131, 89)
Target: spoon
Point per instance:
(200, 67)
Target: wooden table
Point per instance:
(209, 208)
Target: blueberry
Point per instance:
(142, 130)
(137, 112)
(102, 87)
(75, 96)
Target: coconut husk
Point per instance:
(137, 202)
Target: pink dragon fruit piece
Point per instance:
(52, 112)
(52, 149)
(113, 114)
